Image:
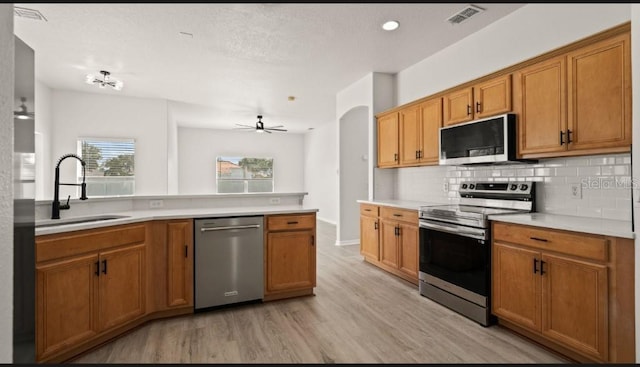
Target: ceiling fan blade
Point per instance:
(267, 131)
(246, 126)
(269, 128)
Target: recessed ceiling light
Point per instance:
(291, 98)
(390, 25)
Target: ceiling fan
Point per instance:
(260, 128)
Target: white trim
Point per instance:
(347, 242)
(327, 221)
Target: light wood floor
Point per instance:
(359, 314)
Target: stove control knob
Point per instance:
(464, 186)
(524, 187)
(472, 186)
(514, 186)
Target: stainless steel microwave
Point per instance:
(489, 140)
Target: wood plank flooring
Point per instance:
(359, 314)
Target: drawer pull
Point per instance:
(367, 210)
(539, 239)
(293, 222)
(397, 215)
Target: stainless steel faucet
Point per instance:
(56, 206)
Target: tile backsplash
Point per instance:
(604, 181)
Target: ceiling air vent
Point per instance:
(464, 14)
(28, 13)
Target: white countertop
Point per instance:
(162, 214)
(607, 227)
(402, 204)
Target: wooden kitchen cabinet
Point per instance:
(87, 284)
(369, 227)
(388, 145)
(180, 263)
(576, 103)
(419, 133)
(394, 240)
(290, 255)
(488, 98)
(566, 290)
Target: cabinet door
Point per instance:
(431, 122)
(599, 77)
(540, 101)
(388, 140)
(409, 135)
(389, 243)
(574, 305)
(291, 259)
(408, 263)
(122, 291)
(516, 286)
(492, 97)
(458, 106)
(369, 238)
(65, 304)
(179, 263)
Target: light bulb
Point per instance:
(118, 85)
(90, 78)
(259, 130)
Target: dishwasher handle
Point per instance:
(228, 228)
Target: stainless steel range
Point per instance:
(455, 245)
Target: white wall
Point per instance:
(78, 114)
(635, 74)
(6, 185)
(354, 172)
(321, 171)
(527, 32)
(198, 149)
(43, 123)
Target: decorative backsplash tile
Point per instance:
(605, 182)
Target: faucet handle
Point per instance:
(66, 206)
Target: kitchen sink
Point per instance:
(62, 222)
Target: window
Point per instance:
(239, 174)
(109, 166)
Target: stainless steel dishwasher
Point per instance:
(228, 261)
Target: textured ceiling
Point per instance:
(243, 59)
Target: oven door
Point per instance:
(455, 254)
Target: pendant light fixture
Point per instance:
(105, 81)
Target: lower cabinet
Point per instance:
(389, 239)
(566, 288)
(87, 283)
(290, 255)
(180, 263)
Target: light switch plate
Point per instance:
(576, 191)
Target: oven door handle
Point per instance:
(479, 234)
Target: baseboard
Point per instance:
(348, 242)
(327, 221)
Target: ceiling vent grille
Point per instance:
(464, 14)
(28, 13)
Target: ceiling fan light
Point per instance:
(118, 85)
(260, 131)
(90, 79)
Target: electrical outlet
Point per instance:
(274, 201)
(156, 203)
(445, 187)
(576, 191)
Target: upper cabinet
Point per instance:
(484, 99)
(419, 129)
(388, 141)
(576, 103)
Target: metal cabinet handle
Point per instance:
(186, 251)
(395, 157)
(539, 239)
(535, 266)
(313, 240)
(468, 110)
(417, 154)
(477, 106)
(561, 137)
(293, 222)
(420, 154)
(104, 266)
(367, 210)
(375, 225)
(397, 215)
(569, 136)
(542, 267)
(97, 268)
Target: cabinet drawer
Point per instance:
(369, 210)
(57, 246)
(571, 243)
(284, 222)
(405, 215)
